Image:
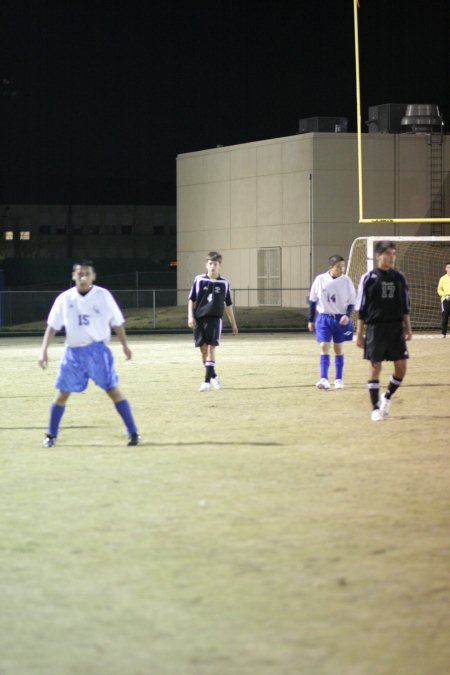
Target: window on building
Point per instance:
(158, 229)
(9, 236)
(110, 229)
(269, 276)
(61, 229)
(126, 229)
(24, 235)
(45, 229)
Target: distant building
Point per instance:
(132, 237)
(276, 209)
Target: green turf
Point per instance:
(265, 529)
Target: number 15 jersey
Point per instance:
(87, 318)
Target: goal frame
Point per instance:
(372, 239)
(422, 268)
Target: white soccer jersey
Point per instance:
(332, 296)
(86, 318)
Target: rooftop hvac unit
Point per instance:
(422, 119)
(333, 124)
(386, 118)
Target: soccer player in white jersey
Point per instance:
(87, 312)
(332, 296)
(208, 299)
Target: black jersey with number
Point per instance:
(383, 296)
(210, 296)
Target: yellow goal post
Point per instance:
(359, 137)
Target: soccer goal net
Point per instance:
(421, 259)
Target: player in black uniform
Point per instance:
(208, 299)
(383, 305)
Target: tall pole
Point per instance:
(358, 110)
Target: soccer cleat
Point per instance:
(49, 441)
(385, 406)
(338, 384)
(135, 439)
(205, 386)
(323, 383)
(216, 382)
(376, 415)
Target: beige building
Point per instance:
(276, 209)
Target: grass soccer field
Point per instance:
(265, 529)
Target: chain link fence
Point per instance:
(159, 309)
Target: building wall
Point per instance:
(298, 194)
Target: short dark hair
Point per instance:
(334, 259)
(382, 246)
(83, 263)
(214, 256)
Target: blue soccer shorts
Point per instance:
(79, 364)
(328, 328)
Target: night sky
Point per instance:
(98, 100)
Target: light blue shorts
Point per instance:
(328, 328)
(79, 364)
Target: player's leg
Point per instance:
(445, 316)
(203, 353)
(212, 334)
(338, 365)
(200, 342)
(210, 362)
(100, 364)
(124, 409)
(373, 385)
(71, 377)
(57, 410)
(395, 381)
(324, 337)
(341, 333)
(324, 365)
(398, 353)
(374, 352)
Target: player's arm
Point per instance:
(311, 316)
(121, 334)
(48, 337)
(230, 314)
(345, 318)
(407, 327)
(191, 318)
(360, 333)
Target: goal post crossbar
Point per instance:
(374, 221)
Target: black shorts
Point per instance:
(207, 331)
(385, 342)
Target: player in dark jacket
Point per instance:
(383, 306)
(208, 299)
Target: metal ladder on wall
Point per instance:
(436, 194)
